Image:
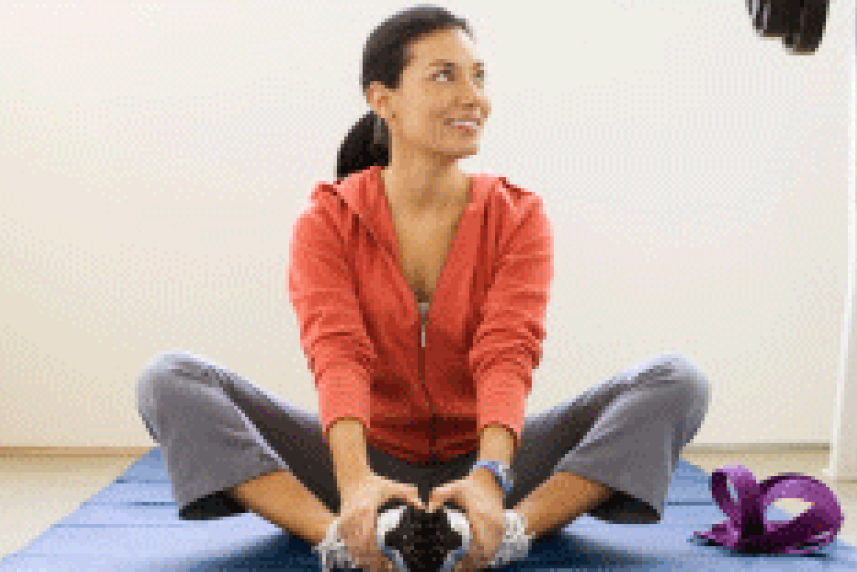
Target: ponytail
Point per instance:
(367, 144)
(386, 55)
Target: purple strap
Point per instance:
(748, 531)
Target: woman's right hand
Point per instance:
(358, 518)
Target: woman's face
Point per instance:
(444, 81)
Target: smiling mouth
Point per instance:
(465, 129)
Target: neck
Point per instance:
(425, 191)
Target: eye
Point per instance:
(447, 71)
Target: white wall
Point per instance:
(153, 157)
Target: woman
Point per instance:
(427, 408)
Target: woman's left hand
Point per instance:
(482, 499)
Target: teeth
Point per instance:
(468, 123)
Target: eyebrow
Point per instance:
(447, 63)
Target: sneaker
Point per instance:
(515, 546)
(332, 550)
(516, 542)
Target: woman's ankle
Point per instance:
(323, 530)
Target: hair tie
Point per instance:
(379, 129)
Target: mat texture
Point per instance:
(133, 525)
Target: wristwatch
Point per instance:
(503, 472)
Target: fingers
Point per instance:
(412, 494)
(475, 563)
(359, 546)
(436, 499)
(374, 562)
(472, 561)
(465, 565)
(378, 563)
(372, 557)
(375, 558)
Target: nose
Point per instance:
(472, 93)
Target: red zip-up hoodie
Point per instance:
(423, 391)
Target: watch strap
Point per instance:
(502, 472)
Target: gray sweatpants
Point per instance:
(218, 429)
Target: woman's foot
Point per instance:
(516, 542)
(332, 550)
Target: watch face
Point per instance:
(510, 475)
(506, 471)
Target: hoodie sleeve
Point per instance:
(333, 337)
(507, 343)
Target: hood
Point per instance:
(362, 193)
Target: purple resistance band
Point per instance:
(748, 531)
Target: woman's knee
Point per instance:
(155, 375)
(690, 376)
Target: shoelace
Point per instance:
(333, 551)
(515, 546)
(516, 542)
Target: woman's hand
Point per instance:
(482, 499)
(359, 518)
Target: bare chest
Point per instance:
(424, 244)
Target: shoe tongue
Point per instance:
(458, 523)
(388, 520)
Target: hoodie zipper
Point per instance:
(422, 348)
(421, 339)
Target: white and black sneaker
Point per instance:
(416, 541)
(516, 542)
(332, 550)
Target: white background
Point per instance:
(154, 156)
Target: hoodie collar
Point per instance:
(363, 192)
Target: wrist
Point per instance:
(502, 472)
(487, 478)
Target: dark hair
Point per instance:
(386, 54)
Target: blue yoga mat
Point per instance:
(133, 525)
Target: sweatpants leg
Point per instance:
(217, 429)
(626, 433)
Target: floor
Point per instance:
(38, 491)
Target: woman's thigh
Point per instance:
(207, 417)
(178, 386)
(547, 437)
